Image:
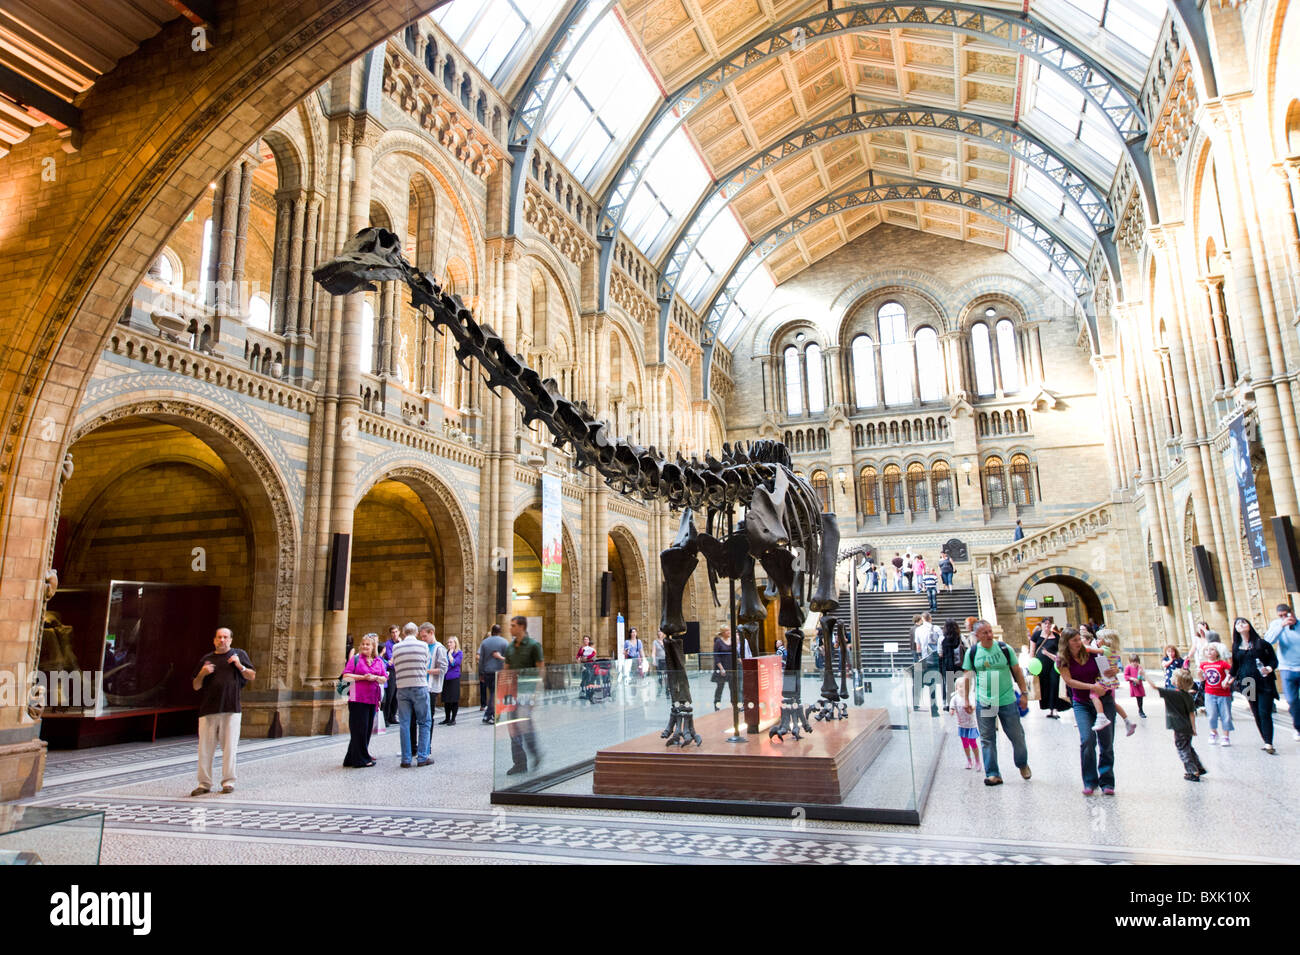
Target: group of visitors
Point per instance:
(402, 679)
(908, 571)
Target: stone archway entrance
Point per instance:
(172, 493)
(558, 612)
(629, 596)
(1084, 595)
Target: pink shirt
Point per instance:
(366, 691)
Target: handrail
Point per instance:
(1051, 539)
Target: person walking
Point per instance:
(1137, 682)
(991, 665)
(632, 651)
(491, 661)
(946, 570)
(1082, 673)
(950, 654)
(930, 584)
(524, 653)
(368, 676)
(437, 665)
(1284, 635)
(896, 581)
(1044, 644)
(219, 681)
(918, 572)
(722, 667)
(660, 658)
(1254, 663)
(411, 671)
(451, 683)
(389, 705)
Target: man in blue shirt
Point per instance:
(1284, 634)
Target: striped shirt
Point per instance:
(411, 663)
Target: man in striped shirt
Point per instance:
(411, 668)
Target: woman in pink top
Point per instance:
(368, 675)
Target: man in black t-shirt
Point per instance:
(218, 681)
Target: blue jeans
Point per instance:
(947, 578)
(414, 701)
(1291, 690)
(1219, 709)
(1097, 770)
(988, 717)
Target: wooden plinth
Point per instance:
(822, 767)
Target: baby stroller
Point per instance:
(595, 681)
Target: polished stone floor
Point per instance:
(296, 803)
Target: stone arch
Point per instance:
(445, 508)
(249, 462)
(569, 602)
(101, 240)
(1096, 596)
(972, 311)
(289, 168)
(908, 281)
(638, 586)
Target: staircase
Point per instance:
(887, 618)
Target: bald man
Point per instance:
(219, 681)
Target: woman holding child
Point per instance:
(1081, 672)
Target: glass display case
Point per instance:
(37, 835)
(594, 738)
(117, 660)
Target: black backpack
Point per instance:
(1011, 660)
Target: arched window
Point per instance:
(929, 364)
(798, 441)
(858, 435)
(816, 379)
(1007, 356)
(864, 371)
(1022, 421)
(983, 425)
(367, 337)
(1022, 481)
(867, 491)
(997, 423)
(259, 312)
(895, 354)
(823, 440)
(941, 479)
(918, 494)
(821, 484)
(793, 384)
(1008, 423)
(995, 489)
(871, 435)
(982, 356)
(893, 489)
(789, 441)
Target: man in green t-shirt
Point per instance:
(997, 674)
(524, 653)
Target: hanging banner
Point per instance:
(552, 549)
(1249, 499)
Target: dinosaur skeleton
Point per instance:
(783, 529)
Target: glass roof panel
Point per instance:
(1121, 34)
(749, 302)
(496, 34)
(674, 180)
(717, 249)
(606, 93)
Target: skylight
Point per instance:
(675, 179)
(717, 249)
(496, 34)
(605, 95)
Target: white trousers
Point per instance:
(219, 729)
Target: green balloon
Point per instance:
(1035, 666)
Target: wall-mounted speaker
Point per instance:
(1205, 573)
(606, 592)
(1284, 537)
(337, 591)
(503, 593)
(1161, 582)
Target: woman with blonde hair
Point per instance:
(451, 684)
(367, 675)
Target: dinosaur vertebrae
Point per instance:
(374, 255)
